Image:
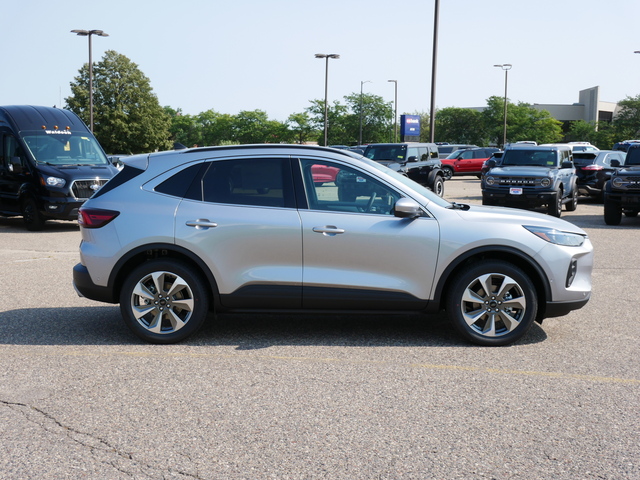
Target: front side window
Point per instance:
(349, 190)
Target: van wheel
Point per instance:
(492, 303)
(33, 219)
(164, 301)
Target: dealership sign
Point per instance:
(410, 125)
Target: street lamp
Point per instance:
(362, 82)
(326, 83)
(88, 33)
(506, 67)
(395, 113)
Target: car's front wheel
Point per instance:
(554, 207)
(492, 303)
(612, 212)
(438, 186)
(572, 204)
(164, 301)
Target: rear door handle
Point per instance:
(201, 223)
(328, 230)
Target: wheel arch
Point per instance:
(512, 255)
(145, 253)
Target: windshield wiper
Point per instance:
(459, 206)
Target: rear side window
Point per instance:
(265, 182)
(178, 185)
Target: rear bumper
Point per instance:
(86, 288)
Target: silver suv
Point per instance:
(178, 234)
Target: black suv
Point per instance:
(622, 192)
(594, 169)
(418, 161)
(532, 176)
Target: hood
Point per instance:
(629, 169)
(521, 171)
(493, 215)
(75, 172)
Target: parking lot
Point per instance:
(308, 397)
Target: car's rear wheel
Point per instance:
(612, 212)
(492, 303)
(572, 205)
(164, 301)
(447, 172)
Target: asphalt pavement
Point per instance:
(315, 397)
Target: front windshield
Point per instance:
(64, 148)
(534, 158)
(386, 152)
(424, 191)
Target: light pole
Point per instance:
(395, 111)
(434, 64)
(362, 82)
(326, 83)
(506, 67)
(88, 33)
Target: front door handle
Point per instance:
(328, 230)
(201, 223)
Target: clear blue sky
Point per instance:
(259, 54)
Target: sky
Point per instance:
(237, 55)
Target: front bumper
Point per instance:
(525, 199)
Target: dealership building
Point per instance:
(589, 108)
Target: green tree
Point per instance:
(377, 118)
(184, 129)
(301, 127)
(336, 131)
(460, 125)
(627, 121)
(127, 115)
(523, 123)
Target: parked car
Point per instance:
(246, 228)
(574, 146)
(622, 191)
(467, 162)
(50, 163)
(446, 149)
(532, 177)
(418, 161)
(594, 169)
(625, 145)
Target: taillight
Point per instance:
(593, 167)
(95, 217)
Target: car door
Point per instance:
(356, 253)
(13, 173)
(240, 217)
(465, 162)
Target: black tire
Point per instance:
(438, 185)
(447, 172)
(33, 219)
(494, 318)
(631, 214)
(554, 208)
(164, 301)
(572, 204)
(612, 212)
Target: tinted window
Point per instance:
(258, 181)
(179, 184)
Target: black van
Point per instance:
(50, 163)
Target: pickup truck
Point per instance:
(531, 177)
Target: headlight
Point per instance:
(617, 182)
(490, 180)
(558, 237)
(545, 182)
(55, 182)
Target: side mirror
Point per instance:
(412, 159)
(615, 163)
(490, 163)
(567, 164)
(407, 208)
